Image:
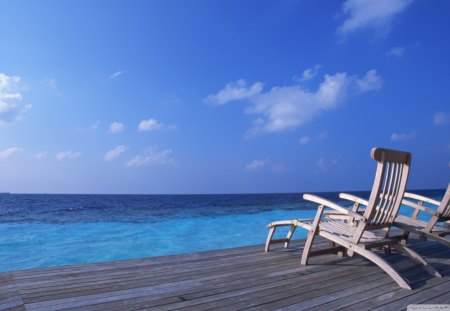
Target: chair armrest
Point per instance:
(353, 198)
(421, 208)
(421, 198)
(327, 203)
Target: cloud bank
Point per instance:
(288, 107)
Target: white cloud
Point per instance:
(304, 140)
(396, 51)
(41, 155)
(151, 157)
(93, 127)
(441, 118)
(376, 15)
(150, 125)
(288, 107)
(234, 91)
(114, 153)
(65, 155)
(116, 127)
(402, 136)
(255, 165)
(285, 108)
(370, 82)
(10, 99)
(116, 74)
(10, 151)
(310, 73)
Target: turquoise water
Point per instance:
(43, 231)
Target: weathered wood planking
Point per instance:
(232, 279)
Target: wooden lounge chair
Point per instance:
(413, 224)
(370, 229)
(430, 229)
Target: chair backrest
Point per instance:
(444, 207)
(387, 191)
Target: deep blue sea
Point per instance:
(42, 230)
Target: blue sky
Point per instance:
(221, 96)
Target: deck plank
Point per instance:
(238, 278)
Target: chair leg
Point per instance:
(340, 253)
(439, 239)
(404, 238)
(289, 236)
(383, 264)
(269, 238)
(417, 258)
(307, 247)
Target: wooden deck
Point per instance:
(232, 279)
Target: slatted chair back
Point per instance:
(387, 191)
(443, 212)
(444, 207)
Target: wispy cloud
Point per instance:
(288, 107)
(10, 99)
(441, 118)
(309, 74)
(114, 153)
(396, 51)
(304, 140)
(150, 125)
(370, 82)
(67, 155)
(323, 165)
(52, 85)
(322, 135)
(116, 74)
(151, 156)
(41, 155)
(93, 127)
(116, 127)
(403, 136)
(376, 15)
(278, 168)
(50, 82)
(9, 152)
(234, 91)
(255, 165)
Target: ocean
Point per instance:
(43, 230)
